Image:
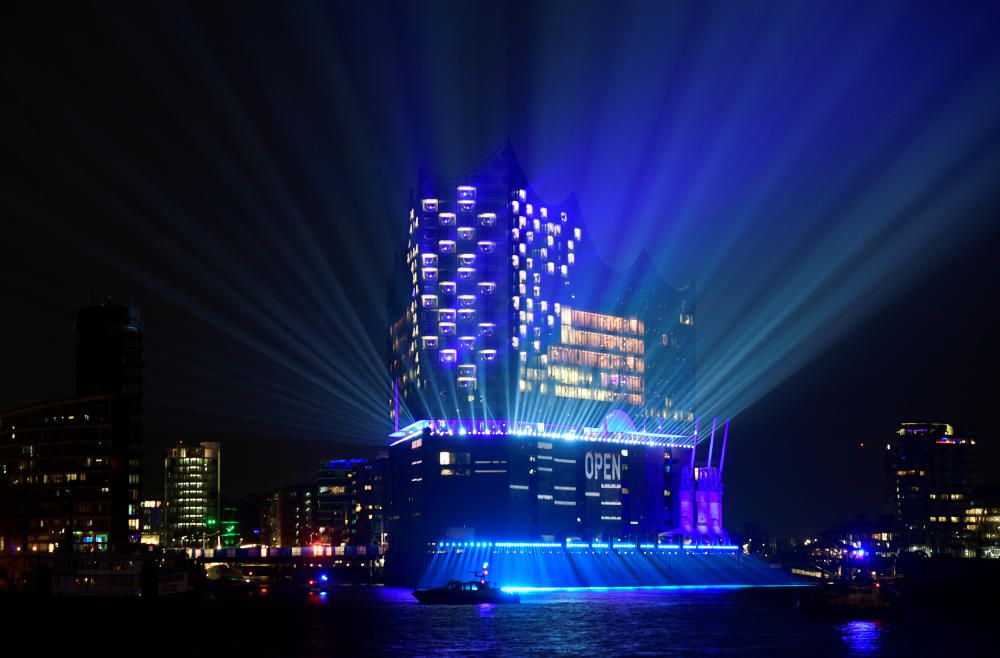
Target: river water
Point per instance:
(362, 621)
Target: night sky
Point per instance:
(826, 175)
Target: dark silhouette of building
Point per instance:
(930, 473)
(291, 516)
(109, 350)
(109, 360)
(251, 514)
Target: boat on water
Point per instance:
(471, 592)
(852, 600)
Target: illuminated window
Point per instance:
(466, 193)
(446, 246)
(488, 355)
(467, 342)
(430, 205)
(447, 287)
(467, 301)
(466, 314)
(487, 287)
(467, 260)
(467, 370)
(446, 219)
(466, 273)
(446, 315)
(487, 219)
(486, 246)
(466, 205)
(429, 273)
(466, 233)
(487, 328)
(429, 260)
(429, 301)
(446, 329)
(448, 356)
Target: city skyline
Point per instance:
(841, 290)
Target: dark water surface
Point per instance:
(361, 621)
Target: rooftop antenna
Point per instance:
(395, 396)
(694, 444)
(722, 460)
(711, 445)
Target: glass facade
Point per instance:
(192, 502)
(485, 326)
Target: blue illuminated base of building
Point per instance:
(550, 566)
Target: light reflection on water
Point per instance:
(863, 638)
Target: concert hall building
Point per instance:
(520, 414)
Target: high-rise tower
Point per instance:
(929, 473)
(487, 270)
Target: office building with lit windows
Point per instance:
(64, 476)
(522, 415)
(70, 469)
(151, 522)
(983, 523)
(350, 497)
(929, 476)
(192, 497)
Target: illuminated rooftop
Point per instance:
(512, 428)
